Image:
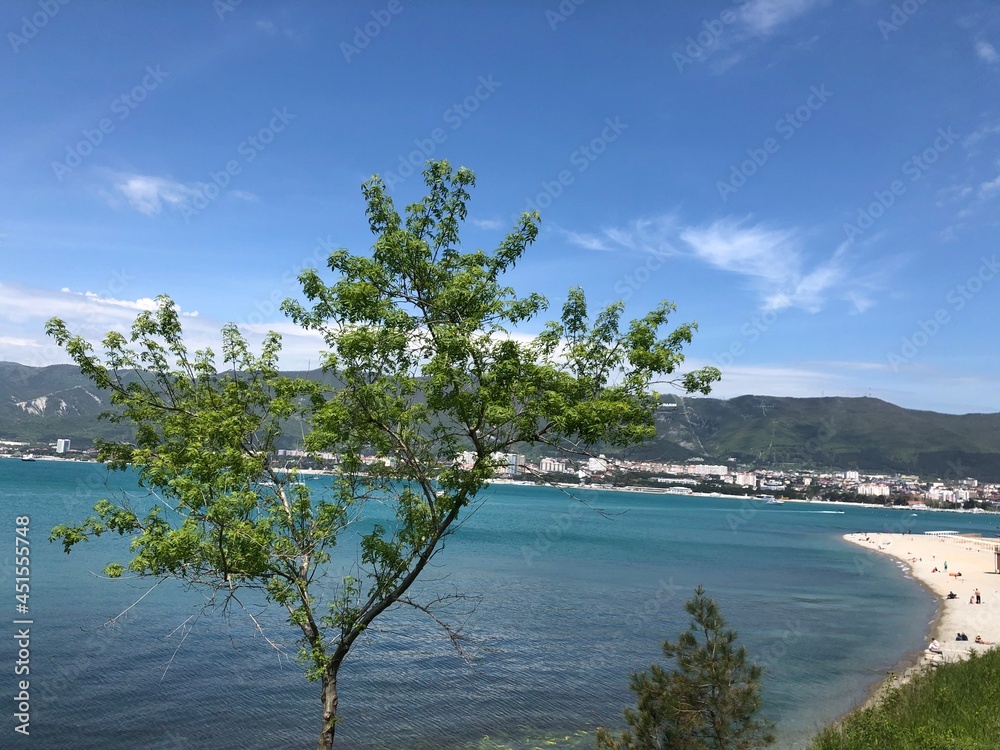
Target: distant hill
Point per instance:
(42, 404)
(848, 433)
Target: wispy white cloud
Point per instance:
(656, 236)
(756, 23)
(21, 304)
(775, 380)
(773, 260)
(730, 245)
(587, 240)
(148, 194)
(730, 36)
(952, 194)
(981, 134)
(487, 223)
(990, 187)
(272, 29)
(966, 201)
(24, 311)
(975, 188)
(19, 342)
(762, 17)
(987, 52)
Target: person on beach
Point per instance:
(979, 639)
(946, 565)
(961, 637)
(935, 647)
(979, 599)
(952, 595)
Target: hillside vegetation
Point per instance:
(42, 404)
(952, 706)
(849, 433)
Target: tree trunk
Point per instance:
(329, 697)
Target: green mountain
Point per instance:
(846, 433)
(41, 404)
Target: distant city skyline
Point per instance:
(815, 183)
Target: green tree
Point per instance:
(708, 700)
(420, 340)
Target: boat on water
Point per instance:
(770, 500)
(28, 457)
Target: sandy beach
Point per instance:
(936, 561)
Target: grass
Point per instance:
(954, 706)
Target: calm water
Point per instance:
(572, 601)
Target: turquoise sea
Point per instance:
(571, 600)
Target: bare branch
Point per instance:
(114, 620)
(455, 636)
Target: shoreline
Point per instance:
(637, 489)
(933, 560)
(643, 490)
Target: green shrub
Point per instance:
(708, 698)
(949, 707)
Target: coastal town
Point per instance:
(697, 476)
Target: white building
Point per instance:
(509, 464)
(941, 494)
(705, 470)
(597, 465)
(873, 490)
(553, 466)
(62, 445)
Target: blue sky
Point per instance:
(816, 183)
